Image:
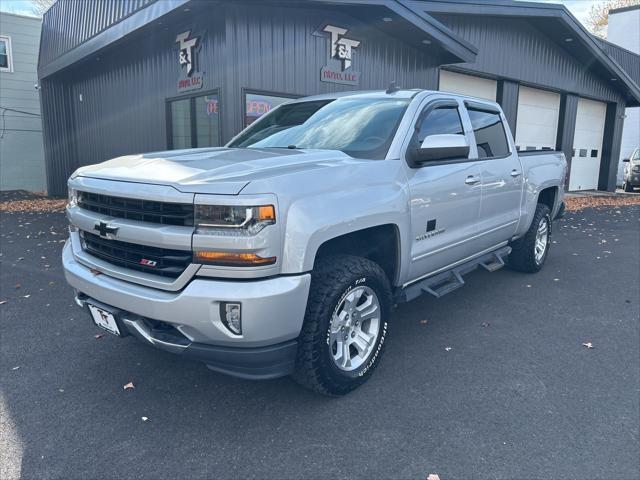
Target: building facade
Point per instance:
(156, 75)
(624, 31)
(21, 148)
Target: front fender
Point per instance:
(311, 221)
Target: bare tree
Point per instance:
(41, 6)
(599, 15)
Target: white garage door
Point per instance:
(468, 85)
(537, 123)
(587, 145)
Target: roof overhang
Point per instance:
(556, 21)
(413, 26)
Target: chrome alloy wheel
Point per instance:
(354, 328)
(542, 240)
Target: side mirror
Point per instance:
(626, 160)
(439, 147)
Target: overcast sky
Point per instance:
(580, 8)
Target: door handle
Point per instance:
(515, 173)
(472, 180)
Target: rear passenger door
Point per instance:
(445, 195)
(501, 173)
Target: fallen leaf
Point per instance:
(98, 336)
(433, 476)
(2, 302)
(16, 368)
(95, 272)
(424, 322)
(18, 286)
(485, 324)
(588, 344)
(145, 419)
(128, 386)
(26, 296)
(447, 349)
(61, 390)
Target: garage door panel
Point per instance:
(537, 122)
(587, 145)
(468, 85)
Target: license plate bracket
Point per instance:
(104, 319)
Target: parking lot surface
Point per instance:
(491, 381)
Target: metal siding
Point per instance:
(508, 100)
(273, 49)
(531, 57)
(611, 146)
(629, 61)
(68, 23)
(567, 127)
(276, 50)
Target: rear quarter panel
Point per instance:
(541, 170)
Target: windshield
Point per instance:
(360, 127)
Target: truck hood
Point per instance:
(223, 171)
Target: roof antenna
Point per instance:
(392, 87)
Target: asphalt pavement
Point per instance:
(491, 381)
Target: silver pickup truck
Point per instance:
(284, 252)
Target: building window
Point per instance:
(194, 122)
(257, 104)
(6, 60)
(489, 131)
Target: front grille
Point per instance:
(168, 263)
(135, 209)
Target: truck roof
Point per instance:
(403, 93)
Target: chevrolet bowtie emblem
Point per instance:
(104, 229)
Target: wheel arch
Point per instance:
(380, 244)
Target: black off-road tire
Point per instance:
(522, 257)
(627, 187)
(333, 277)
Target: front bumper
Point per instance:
(634, 179)
(272, 314)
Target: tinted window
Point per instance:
(442, 120)
(489, 131)
(637, 155)
(360, 127)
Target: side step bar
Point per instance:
(446, 282)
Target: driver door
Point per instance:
(445, 195)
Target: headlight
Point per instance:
(72, 197)
(233, 220)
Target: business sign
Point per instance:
(338, 68)
(190, 79)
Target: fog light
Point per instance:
(231, 317)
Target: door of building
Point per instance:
(193, 121)
(587, 145)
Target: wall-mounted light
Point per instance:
(568, 39)
(387, 19)
(614, 79)
(426, 42)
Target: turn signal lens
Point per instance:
(229, 259)
(266, 213)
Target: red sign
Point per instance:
(190, 83)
